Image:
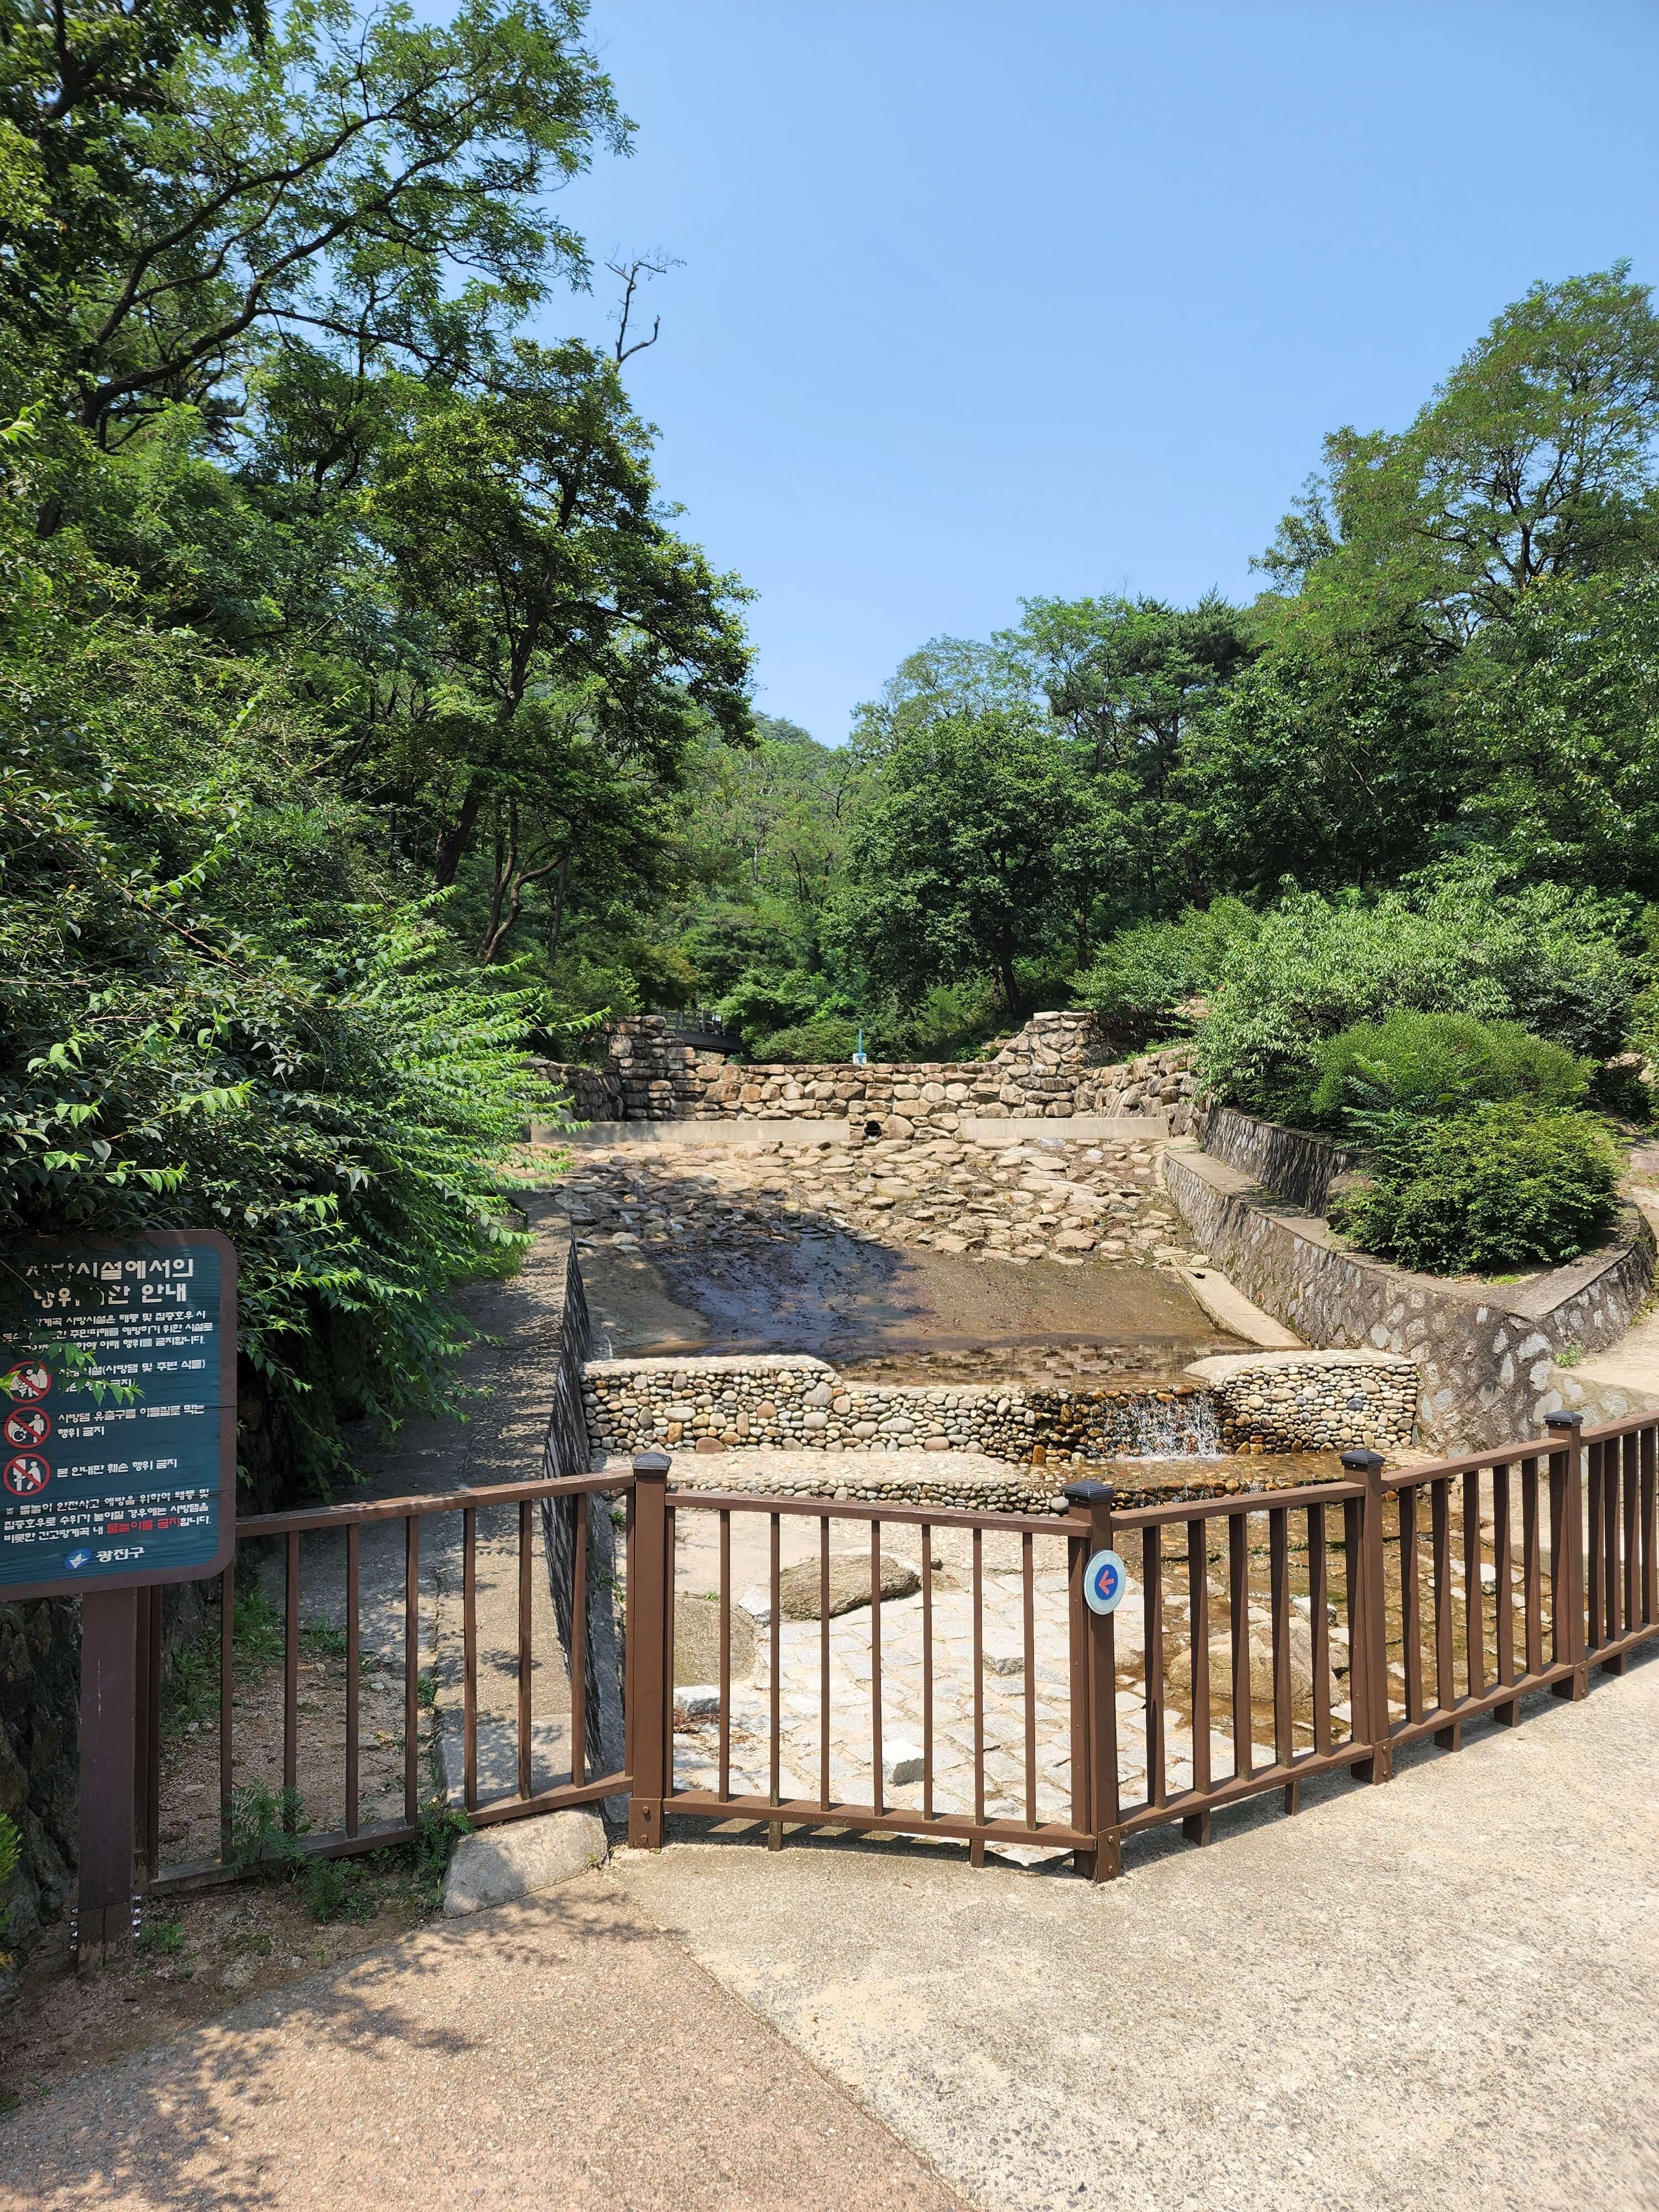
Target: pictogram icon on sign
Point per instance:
(30, 1382)
(1104, 1581)
(26, 1475)
(26, 1425)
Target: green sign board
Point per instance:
(118, 1462)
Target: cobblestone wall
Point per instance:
(1288, 1403)
(1059, 1065)
(1283, 1401)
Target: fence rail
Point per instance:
(356, 1835)
(936, 1672)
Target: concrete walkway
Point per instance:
(559, 2054)
(1437, 1992)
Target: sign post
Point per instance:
(117, 1418)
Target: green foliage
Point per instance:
(333, 1890)
(1501, 1187)
(830, 1036)
(265, 1828)
(191, 1692)
(11, 1847)
(1144, 975)
(1436, 1064)
(1540, 955)
(161, 1938)
(440, 1828)
(952, 866)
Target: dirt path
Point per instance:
(561, 2052)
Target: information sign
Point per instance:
(118, 1469)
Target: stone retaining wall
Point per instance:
(1059, 1065)
(1287, 1161)
(1291, 1403)
(1483, 1350)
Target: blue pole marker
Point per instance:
(1104, 1581)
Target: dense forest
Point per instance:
(370, 718)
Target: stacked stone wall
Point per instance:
(1294, 1403)
(1059, 1065)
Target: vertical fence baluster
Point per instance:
(411, 1670)
(1026, 1573)
(880, 1799)
(525, 1717)
(227, 1706)
(1410, 1614)
(1473, 1598)
(774, 1828)
(1196, 1825)
(1631, 1482)
(1354, 1606)
(354, 1671)
(977, 1846)
(1597, 1550)
(926, 1672)
(824, 1662)
(1151, 1595)
(725, 1652)
(1650, 1562)
(1502, 1599)
(1238, 1601)
(469, 1657)
(1532, 1572)
(586, 1506)
(291, 1683)
(1610, 1574)
(1278, 1584)
(1319, 1619)
(1445, 1688)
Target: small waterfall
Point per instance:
(1184, 1427)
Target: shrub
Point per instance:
(1143, 976)
(1505, 1185)
(1545, 957)
(1438, 1063)
(828, 1036)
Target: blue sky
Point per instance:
(983, 302)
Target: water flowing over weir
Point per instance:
(1169, 1427)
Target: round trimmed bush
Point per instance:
(1502, 1187)
(1440, 1063)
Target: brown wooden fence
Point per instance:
(1276, 1636)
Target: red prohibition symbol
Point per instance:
(26, 1425)
(31, 1382)
(26, 1475)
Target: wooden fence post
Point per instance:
(1569, 1632)
(648, 1655)
(1094, 1734)
(1369, 1661)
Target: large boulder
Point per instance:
(697, 1640)
(800, 1589)
(1178, 1667)
(517, 1859)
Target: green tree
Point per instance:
(1534, 462)
(196, 186)
(524, 527)
(951, 868)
